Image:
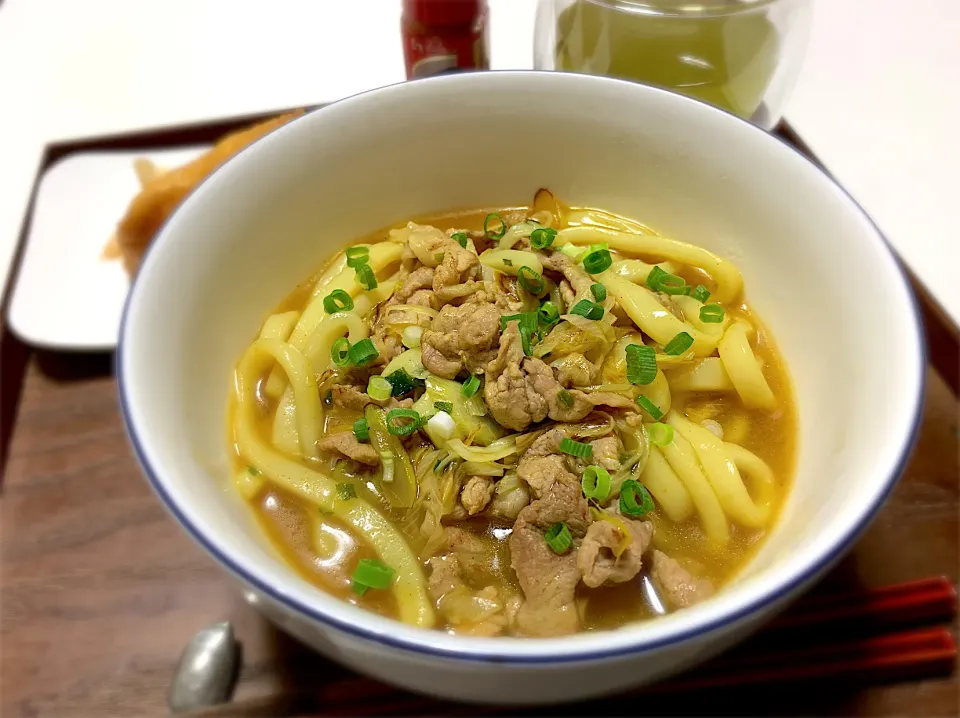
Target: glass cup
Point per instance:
(741, 55)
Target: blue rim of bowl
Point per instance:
(769, 598)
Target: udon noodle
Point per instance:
(526, 421)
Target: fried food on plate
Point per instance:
(161, 191)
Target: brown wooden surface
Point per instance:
(101, 590)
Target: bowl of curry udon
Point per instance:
(520, 387)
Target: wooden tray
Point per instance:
(101, 589)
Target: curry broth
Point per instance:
(772, 436)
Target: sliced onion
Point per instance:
(499, 449)
(476, 468)
(417, 308)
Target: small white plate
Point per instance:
(67, 295)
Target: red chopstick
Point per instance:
(931, 599)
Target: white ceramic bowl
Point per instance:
(815, 268)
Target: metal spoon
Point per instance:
(207, 670)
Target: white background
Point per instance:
(878, 98)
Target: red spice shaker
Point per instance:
(443, 36)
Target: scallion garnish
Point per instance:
(402, 382)
(599, 291)
(701, 294)
(660, 434)
(531, 281)
(443, 406)
(641, 364)
(460, 238)
(340, 351)
(402, 422)
(712, 314)
(588, 309)
(549, 314)
(596, 483)
(361, 429)
(379, 388)
(529, 321)
(363, 352)
(678, 345)
(543, 237)
(357, 256)
(526, 341)
(507, 262)
(597, 261)
(365, 277)
(345, 492)
(565, 398)
(558, 538)
(337, 301)
(491, 231)
(635, 500)
(470, 386)
(576, 448)
(649, 407)
(371, 573)
(660, 281)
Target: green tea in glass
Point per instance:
(741, 55)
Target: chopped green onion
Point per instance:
(543, 237)
(337, 301)
(576, 448)
(558, 538)
(253, 471)
(379, 388)
(529, 321)
(641, 364)
(601, 245)
(573, 251)
(649, 407)
(634, 499)
(443, 406)
(470, 386)
(712, 314)
(411, 337)
(597, 261)
(361, 429)
(701, 294)
(386, 460)
(526, 341)
(549, 314)
(596, 483)
(460, 238)
(599, 291)
(340, 351)
(660, 434)
(672, 289)
(402, 382)
(363, 352)
(678, 345)
(491, 232)
(357, 256)
(371, 573)
(531, 281)
(365, 277)
(588, 309)
(397, 424)
(660, 281)
(345, 492)
(565, 398)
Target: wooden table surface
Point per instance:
(101, 589)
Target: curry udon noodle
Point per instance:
(514, 422)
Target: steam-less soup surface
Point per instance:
(527, 422)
